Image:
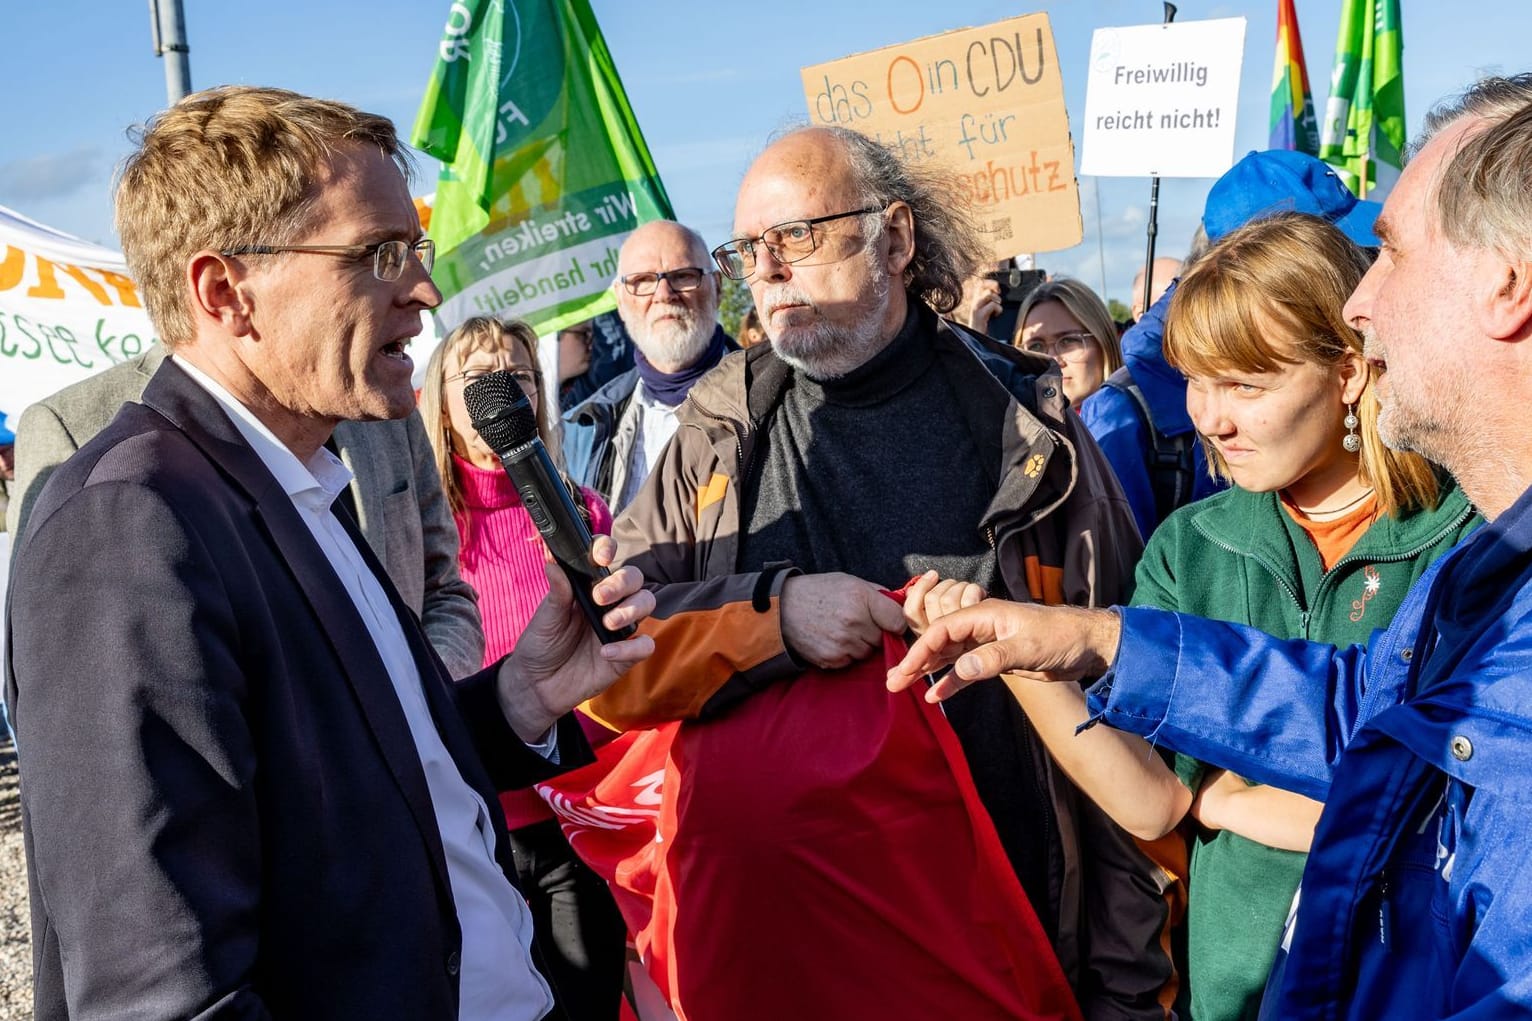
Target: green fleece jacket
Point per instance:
(1239, 557)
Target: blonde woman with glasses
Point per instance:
(578, 933)
(1065, 320)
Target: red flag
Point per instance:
(819, 851)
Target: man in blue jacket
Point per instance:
(1417, 898)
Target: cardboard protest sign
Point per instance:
(1161, 99)
(986, 105)
(67, 310)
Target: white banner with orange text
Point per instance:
(67, 310)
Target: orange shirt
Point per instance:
(1334, 539)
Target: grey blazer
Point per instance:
(399, 501)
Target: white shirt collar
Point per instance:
(314, 484)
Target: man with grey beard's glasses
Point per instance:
(869, 442)
(667, 294)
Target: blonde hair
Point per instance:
(225, 167)
(1272, 294)
(1087, 308)
(481, 333)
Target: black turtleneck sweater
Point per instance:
(872, 474)
(880, 474)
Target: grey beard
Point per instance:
(824, 352)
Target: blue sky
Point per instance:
(709, 82)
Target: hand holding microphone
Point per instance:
(506, 421)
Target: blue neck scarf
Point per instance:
(671, 388)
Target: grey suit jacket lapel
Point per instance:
(358, 449)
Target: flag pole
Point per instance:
(1154, 202)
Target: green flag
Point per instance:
(544, 170)
(1363, 132)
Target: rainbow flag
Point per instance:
(1293, 124)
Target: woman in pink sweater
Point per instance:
(578, 933)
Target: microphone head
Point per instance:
(500, 411)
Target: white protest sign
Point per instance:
(67, 310)
(1160, 100)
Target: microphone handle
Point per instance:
(547, 500)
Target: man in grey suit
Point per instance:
(396, 496)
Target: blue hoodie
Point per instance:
(1113, 417)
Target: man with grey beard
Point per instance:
(869, 442)
(667, 295)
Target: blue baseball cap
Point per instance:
(7, 438)
(1284, 181)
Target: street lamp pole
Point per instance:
(169, 27)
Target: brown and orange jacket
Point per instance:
(1060, 526)
(1062, 532)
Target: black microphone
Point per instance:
(504, 418)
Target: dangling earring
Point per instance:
(1352, 442)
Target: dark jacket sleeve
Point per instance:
(510, 763)
(124, 665)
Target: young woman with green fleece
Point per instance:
(1322, 534)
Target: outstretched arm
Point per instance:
(1118, 771)
(1278, 712)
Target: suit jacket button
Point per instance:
(454, 962)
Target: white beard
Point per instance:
(677, 342)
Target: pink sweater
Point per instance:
(502, 555)
(502, 558)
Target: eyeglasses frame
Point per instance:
(810, 223)
(536, 377)
(1087, 338)
(424, 250)
(668, 277)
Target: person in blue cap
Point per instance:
(1139, 417)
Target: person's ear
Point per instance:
(900, 237)
(1505, 301)
(1353, 375)
(220, 292)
